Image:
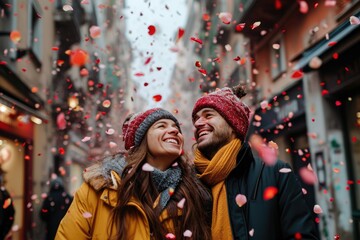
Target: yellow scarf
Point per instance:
(213, 172)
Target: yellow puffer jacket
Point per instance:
(89, 215)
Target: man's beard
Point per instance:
(214, 144)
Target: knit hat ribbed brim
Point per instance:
(229, 106)
(135, 128)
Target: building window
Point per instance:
(36, 39)
(278, 59)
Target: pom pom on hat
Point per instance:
(227, 103)
(136, 125)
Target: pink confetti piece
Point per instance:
(317, 209)
(110, 131)
(304, 7)
(147, 61)
(112, 145)
(251, 232)
(187, 233)
(60, 121)
(255, 25)
(354, 20)
(95, 31)
(285, 170)
(225, 17)
(84, 72)
(307, 175)
(175, 164)
(106, 103)
(330, 3)
(264, 104)
(87, 215)
(86, 139)
(67, 8)
(315, 63)
(240, 200)
(139, 74)
(147, 168)
(170, 236)
(181, 203)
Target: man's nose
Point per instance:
(199, 122)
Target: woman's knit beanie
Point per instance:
(136, 125)
(227, 103)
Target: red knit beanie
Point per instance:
(136, 125)
(227, 103)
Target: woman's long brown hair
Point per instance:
(138, 184)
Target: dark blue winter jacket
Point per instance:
(285, 216)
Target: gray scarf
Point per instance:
(164, 180)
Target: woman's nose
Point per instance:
(173, 130)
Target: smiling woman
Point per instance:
(151, 193)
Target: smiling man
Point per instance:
(237, 180)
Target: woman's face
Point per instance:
(165, 143)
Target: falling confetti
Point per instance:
(170, 236)
(7, 203)
(86, 139)
(60, 121)
(317, 209)
(15, 36)
(269, 193)
(297, 74)
(147, 168)
(315, 63)
(251, 232)
(181, 32)
(87, 215)
(187, 233)
(308, 175)
(106, 103)
(198, 40)
(79, 57)
(239, 27)
(157, 98)
(285, 170)
(225, 17)
(304, 7)
(240, 200)
(255, 25)
(151, 30)
(181, 203)
(354, 20)
(139, 74)
(95, 31)
(147, 61)
(68, 8)
(110, 131)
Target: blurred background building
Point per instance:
(66, 86)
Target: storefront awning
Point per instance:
(321, 47)
(11, 102)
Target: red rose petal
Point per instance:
(152, 30)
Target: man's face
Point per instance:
(212, 131)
